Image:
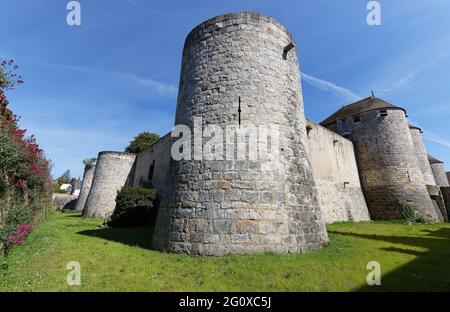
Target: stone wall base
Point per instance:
(446, 195)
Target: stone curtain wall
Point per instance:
(63, 201)
(85, 187)
(336, 175)
(422, 156)
(159, 154)
(388, 166)
(448, 177)
(439, 174)
(446, 194)
(242, 206)
(113, 171)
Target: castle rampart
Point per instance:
(336, 175)
(389, 169)
(152, 166)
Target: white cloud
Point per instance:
(162, 88)
(156, 12)
(154, 85)
(438, 110)
(330, 87)
(400, 84)
(436, 138)
(431, 136)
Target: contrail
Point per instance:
(156, 12)
(331, 87)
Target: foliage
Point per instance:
(8, 76)
(409, 215)
(21, 158)
(25, 181)
(133, 207)
(89, 161)
(141, 142)
(8, 79)
(64, 178)
(56, 188)
(16, 226)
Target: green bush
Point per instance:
(134, 206)
(19, 214)
(410, 216)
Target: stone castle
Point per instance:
(363, 162)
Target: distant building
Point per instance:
(66, 187)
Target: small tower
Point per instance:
(112, 171)
(422, 156)
(389, 169)
(85, 187)
(438, 169)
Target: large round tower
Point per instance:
(242, 205)
(438, 169)
(85, 187)
(113, 171)
(390, 173)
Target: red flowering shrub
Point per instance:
(24, 169)
(18, 237)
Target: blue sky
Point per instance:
(93, 87)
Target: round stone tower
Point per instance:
(113, 171)
(242, 205)
(389, 169)
(438, 169)
(422, 156)
(85, 187)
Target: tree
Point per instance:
(8, 79)
(89, 161)
(141, 142)
(65, 178)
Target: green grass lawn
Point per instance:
(412, 257)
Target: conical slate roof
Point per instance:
(362, 106)
(433, 160)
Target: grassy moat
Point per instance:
(412, 258)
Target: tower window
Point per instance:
(286, 49)
(383, 112)
(150, 172)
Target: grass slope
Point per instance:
(412, 257)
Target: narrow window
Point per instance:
(383, 113)
(347, 135)
(150, 172)
(286, 49)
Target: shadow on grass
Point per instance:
(73, 215)
(140, 236)
(429, 271)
